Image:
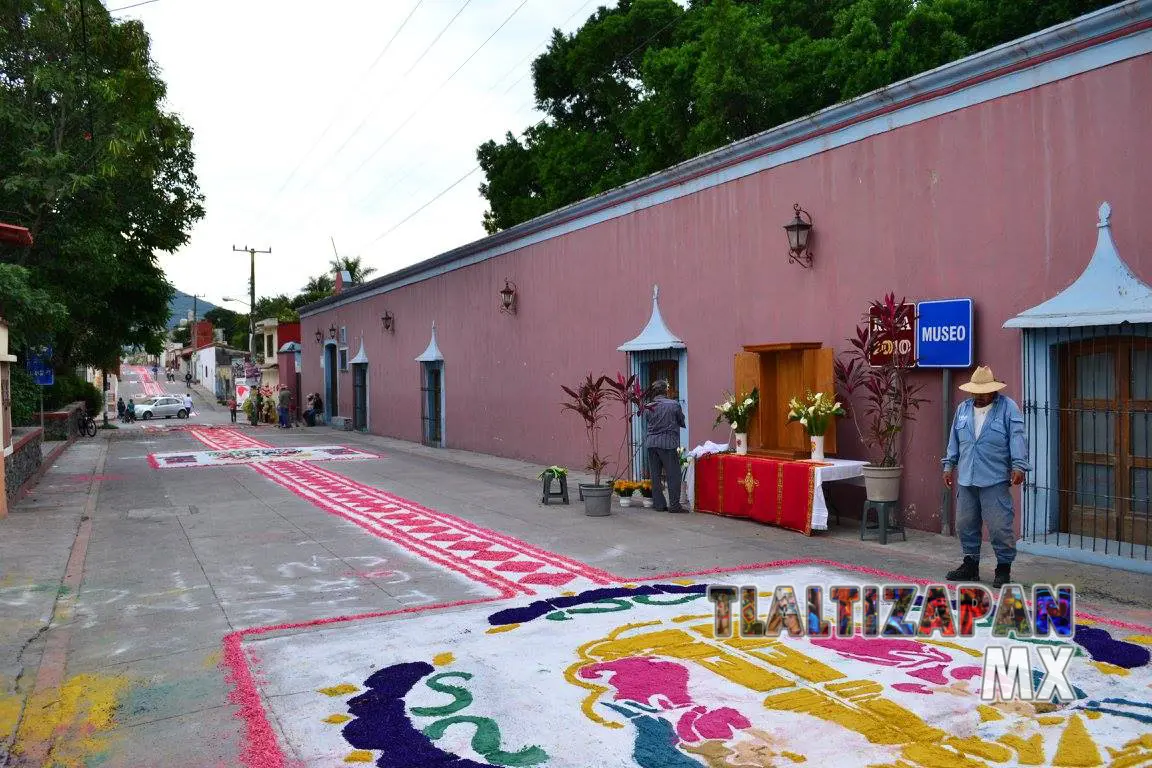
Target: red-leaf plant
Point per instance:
(888, 400)
(589, 401)
(635, 401)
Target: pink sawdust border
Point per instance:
(262, 750)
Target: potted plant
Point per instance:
(624, 489)
(646, 492)
(589, 401)
(737, 411)
(815, 413)
(888, 400)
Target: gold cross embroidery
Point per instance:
(749, 482)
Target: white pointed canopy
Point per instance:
(1106, 293)
(361, 357)
(432, 353)
(656, 334)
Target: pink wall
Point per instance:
(997, 202)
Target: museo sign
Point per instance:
(944, 333)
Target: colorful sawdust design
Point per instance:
(256, 455)
(633, 676)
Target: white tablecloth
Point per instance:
(839, 469)
(836, 471)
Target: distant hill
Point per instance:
(181, 305)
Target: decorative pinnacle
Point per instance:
(1105, 214)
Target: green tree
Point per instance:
(317, 288)
(648, 84)
(352, 265)
(95, 167)
(31, 313)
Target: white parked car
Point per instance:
(162, 406)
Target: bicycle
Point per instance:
(86, 424)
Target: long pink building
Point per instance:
(982, 179)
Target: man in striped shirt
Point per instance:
(664, 422)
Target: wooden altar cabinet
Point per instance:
(780, 492)
(781, 372)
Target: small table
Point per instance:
(789, 494)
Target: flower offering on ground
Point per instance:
(814, 412)
(737, 410)
(625, 487)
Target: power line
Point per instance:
(428, 99)
(332, 122)
(360, 126)
(439, 195)
(523, 133)
(133, 5)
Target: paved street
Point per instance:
(292, 609)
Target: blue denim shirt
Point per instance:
(990, 458)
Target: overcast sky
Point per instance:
(304, 132)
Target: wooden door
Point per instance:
(1106, 437)
(360, 397)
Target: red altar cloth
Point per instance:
(765, 490)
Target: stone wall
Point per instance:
(25, 459)
(61, 424)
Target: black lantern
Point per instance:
(798, 230)
(319, 335)
(332, 331)
(508, 298)
(389, 321)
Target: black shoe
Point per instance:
(678, 511)
(969, 570)
(1003, 576)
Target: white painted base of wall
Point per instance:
(1085, 556)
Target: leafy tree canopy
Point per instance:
(648, 83)
(99, 172)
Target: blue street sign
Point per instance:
(39, 365)
(944, 334)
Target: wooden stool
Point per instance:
(887, 519)
(549, 494)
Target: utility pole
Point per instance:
(252, 319)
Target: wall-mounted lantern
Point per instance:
(388, 320)
(319, 335)
(798, 230)
(508, 298)
(332, 331)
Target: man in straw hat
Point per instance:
(987, 444)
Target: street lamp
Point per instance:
(319, 335)
(332, 331)
(798, 230)
(389, 320)
(508, 298)
(238, 301)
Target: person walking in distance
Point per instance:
(188, 403)
(232, 407)
(120, 409)
(283, 403)
(663, 438)
(987, 448)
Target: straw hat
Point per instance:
(983, 382)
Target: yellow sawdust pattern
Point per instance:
(794, 757)
(73, 718)
(988, 714)
(339, 690)
(358, 756)
(337, 719)
(1136, 752)
(973, 745)
(1111, 669)
(1142, 639)
(1076, 748)
(504, 628)
(443, 659)
(1050, 720)
(1029, 751)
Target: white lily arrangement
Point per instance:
(737, 410)
(814, 412)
